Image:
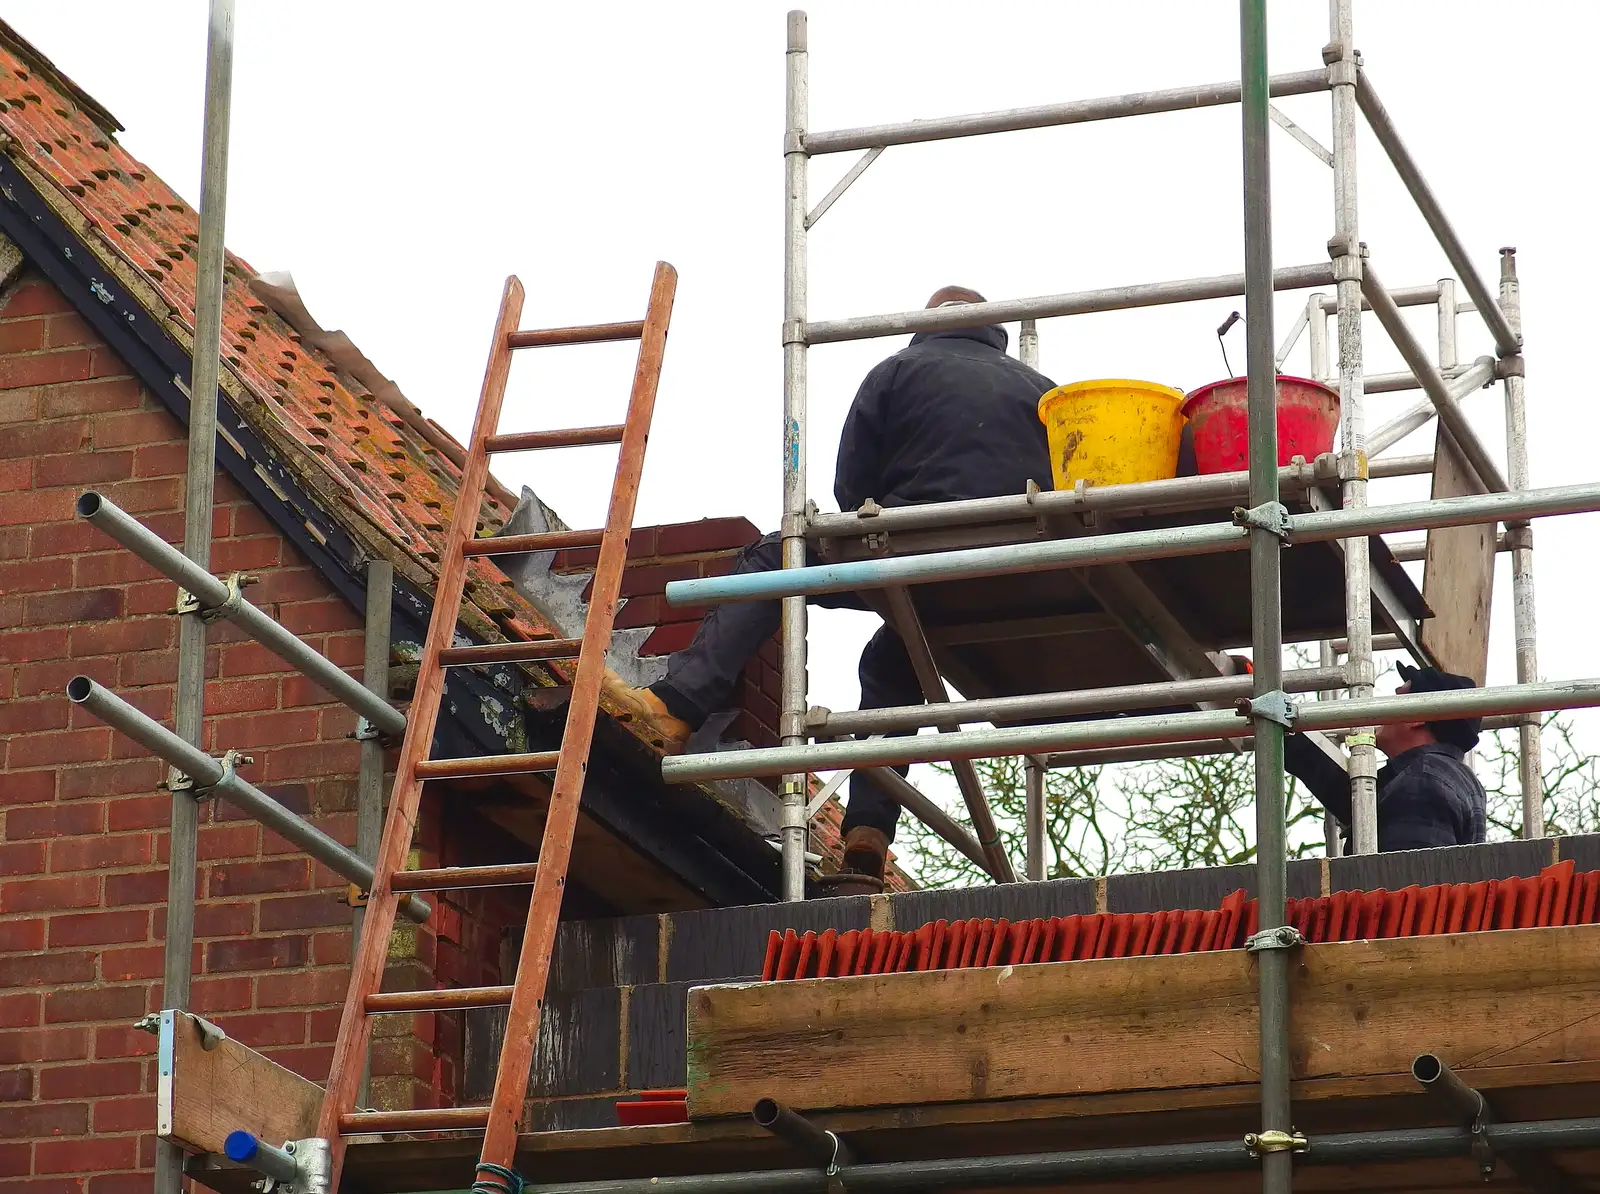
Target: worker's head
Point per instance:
(1460, 732)
(947, 295)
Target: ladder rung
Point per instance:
(437, 1001)
(458, 878)
(429, 1119)
(544, 760)
(549, 648)
(565, 437)
(510, 545)
(594, 333)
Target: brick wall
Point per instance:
(83, 840)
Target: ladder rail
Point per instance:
(355, 1028)
(561, 819)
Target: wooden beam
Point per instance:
(1050, 626)
(1360, 1011)
(1458, 574)
(203, 1093)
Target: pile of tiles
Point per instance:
(1557, 896)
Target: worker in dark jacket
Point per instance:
(951, 416)
(1427, 795)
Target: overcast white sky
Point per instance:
(401, 159)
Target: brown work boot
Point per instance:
(648, 713)
(866, 854)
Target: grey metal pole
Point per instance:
(1034, 775)
(792, 714)
(1266, 604)
(199, 489)
(218, 598)
(222, 780)
(1330, 823)
(1346, 250)
(1317, 335)
(1028, 343)
(369, 781)
(1530, 760)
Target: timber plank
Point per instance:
(1496, 1005)
(1458, 573)
(203, 1094)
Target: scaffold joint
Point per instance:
(1269, 516)
(1272, 706)
(1511, 365)
(1282, 937)
(1261, 1143)
(794, 331)
(188, 603)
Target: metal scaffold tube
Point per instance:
(220, 779)
(793, 704)
(1530, 757)
(220, 599)
(199, 495)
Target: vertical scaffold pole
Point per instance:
(1028, 343)
(1034, 772)
(369, 781)
(1345, 250)
(1529, 760)
(1266, 610)
(199, 494)
(792, 717)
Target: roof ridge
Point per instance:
(36, 58)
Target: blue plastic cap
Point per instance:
(239, 1146)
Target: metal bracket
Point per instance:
(1282, 937)
(1482, 1151)
(1269, 516)
(794, 331)
(210, 1035)
(841, 1158)
(1354, 740)
(365, 731)
(1353, 466)
(1347, 256)
(792, 526)
(1261, 1143)
(1510, 366)
(1270, 706)
(868, 509)
(230, 762)
(188, 603)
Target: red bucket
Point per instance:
(1308, 416)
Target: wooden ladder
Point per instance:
(339, 1118)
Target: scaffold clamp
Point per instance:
(1261, 1143)
(1282, 937)
(1270, 706)
(1269, 516)
(188, 603)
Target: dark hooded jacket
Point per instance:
(950, 416)
(1427, 796)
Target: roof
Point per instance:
(367, 457)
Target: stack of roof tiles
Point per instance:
(1556, 896)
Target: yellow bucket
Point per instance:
(1112, 432)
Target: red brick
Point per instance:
(21, 335)
(35, 576)
(149, 597)
(275, 729)
(126, 965)
(241, 840)
(50, 895)
(137, 812)
(708, 534)
(16, 1086)
(125, 1183)
(318, 759)
(131, 634)
(330, 949)
(161, 460)
(135, 427)
(16, 1159)
(82, 605)
(223, 994)
(125, 1115)
(97, 1003)
(24, 646)
(38, 505)
(303, 912)
(43, 1044)
(641, 611)
(251, 878)
(92, 853)
(15, 475)
(664, 640)
(69, 328)
(19, 407)
(148, 496)
(52, 678)
(35, 297)
(260, 1029)
(97, 1155)
(307, 989)
(289, 584)
(19, 936)
(236, 555)
(347, 650)
(44, 1119)
(99, 928)
(124, 1040)
(26, 717)
(139, 887)
(255, 953)
(242, 696)
(92, 398)
(27, 787)
(112, 779)
(60, 746)
(224, 920)
(50, 820)
(249, 659)
(83, 468)
(20, 1011)
(95, 1080)
(45, 368)
(318, 617)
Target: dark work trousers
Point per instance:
(700, 679)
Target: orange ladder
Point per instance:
(392, 882)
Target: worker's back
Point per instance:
(951, 416)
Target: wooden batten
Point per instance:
(1458, 574)
(203, 1093)
(1495, 1005)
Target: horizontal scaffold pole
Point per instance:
(1010, 120)
(1125, 731)
(1130, 546)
